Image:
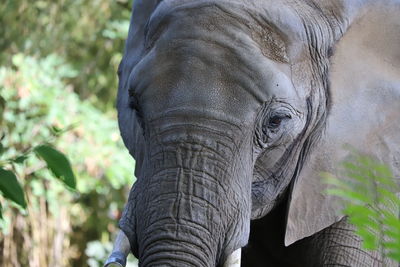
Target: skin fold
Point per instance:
(225, 106)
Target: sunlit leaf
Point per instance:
(11, 188)
(58, 163)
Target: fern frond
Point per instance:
(368, 192)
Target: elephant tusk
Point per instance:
(120, 252)
(234, 259)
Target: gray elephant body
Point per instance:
(232, 108)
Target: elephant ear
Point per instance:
(365, 114)
(129, 122)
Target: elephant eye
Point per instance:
(276, 120)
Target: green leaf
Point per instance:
(393, 233)
(370, 239)
(11, 188)
(20, 159)
(361, 210)
(354, 197)
(391, 219)
(368, 189)
(56, 130)
(2, 149)
(1, 212)
(2, 107)
(394, 255)
(58, 163)
(366, 223)
(334, 181)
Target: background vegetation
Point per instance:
(369, 191)
(58, 63)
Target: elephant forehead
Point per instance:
(198, 75)
(208, 66)
(277, 12)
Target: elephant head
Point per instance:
(222, 104)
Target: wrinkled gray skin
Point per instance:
(230, 110)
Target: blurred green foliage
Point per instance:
(98, 251)
(88, 34)
(368, 191)
(58, 82)
(39, 106)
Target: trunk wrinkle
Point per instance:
(188, 199)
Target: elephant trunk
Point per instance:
(170, 250)
(194, 211)
(180, 218)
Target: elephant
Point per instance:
(233, 108)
